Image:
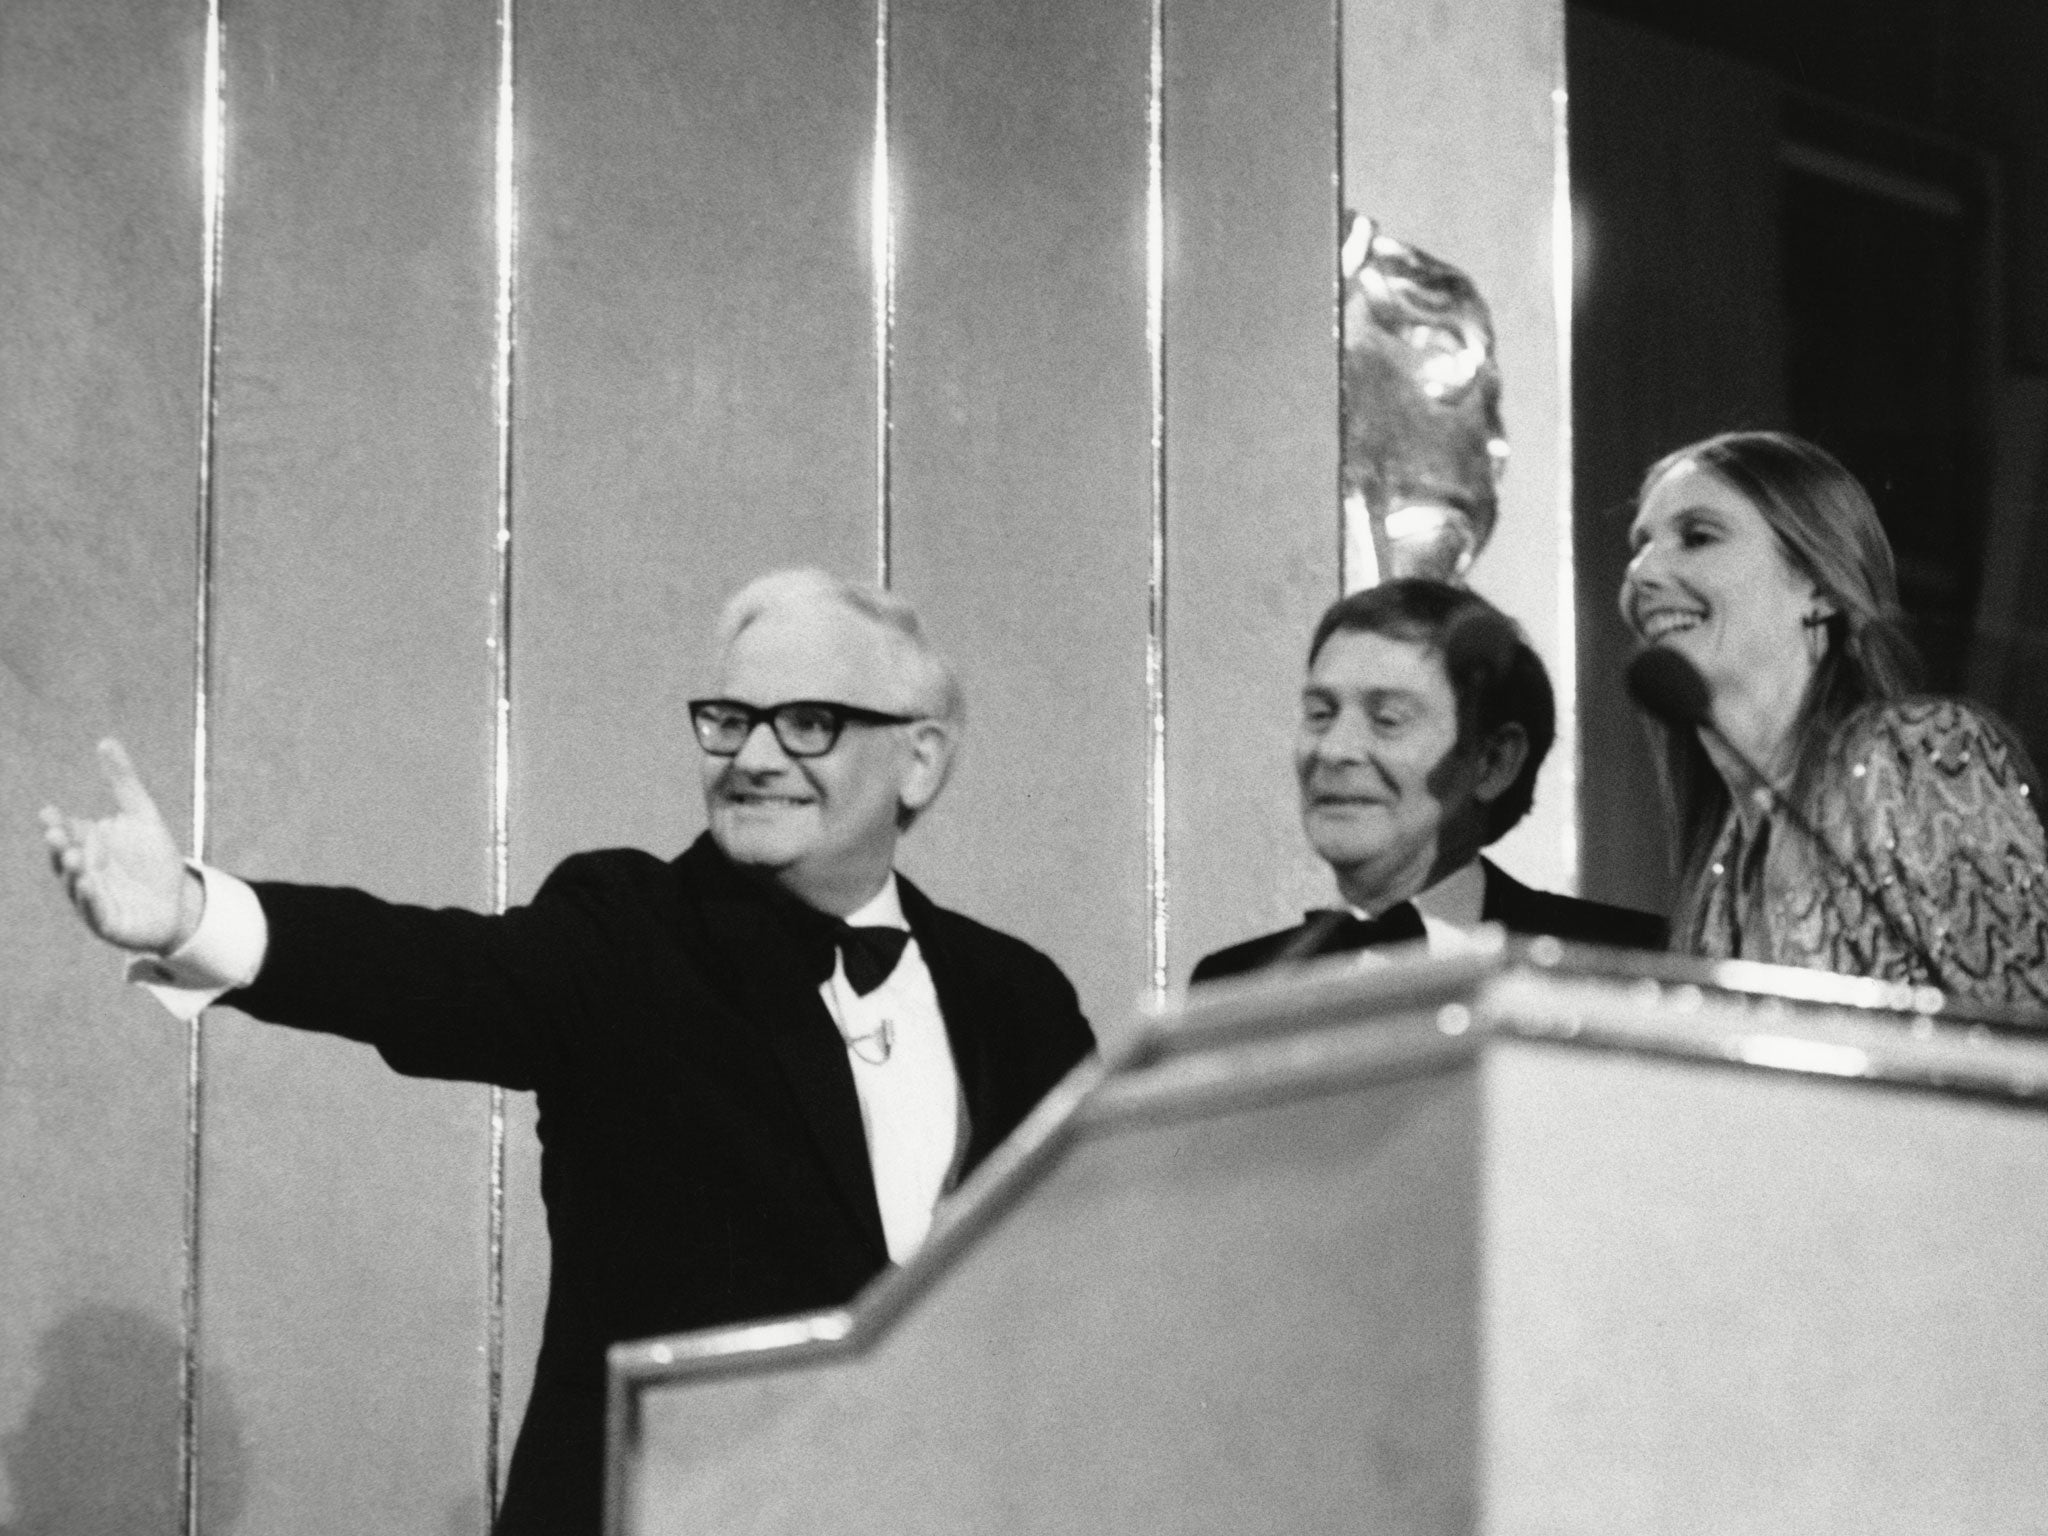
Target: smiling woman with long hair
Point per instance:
(1759, 559)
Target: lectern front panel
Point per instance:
(1498, 1246)
(1260, 1319)
(1741, 1301)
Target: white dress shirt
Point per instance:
(225, 951)
(910, 1097)
(903, 1071)
(1450, 911)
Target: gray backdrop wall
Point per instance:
(390, 547)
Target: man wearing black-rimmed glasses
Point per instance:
(758, 1065)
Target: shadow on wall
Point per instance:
(96, 1454)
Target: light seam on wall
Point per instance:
(1567, 572)
(506, 248)
(882, 243)
(1155, 626)
(213, 189)
(1337, 276)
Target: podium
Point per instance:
(1537, 1241)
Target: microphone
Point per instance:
(1671, 688)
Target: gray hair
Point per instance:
(927, 675)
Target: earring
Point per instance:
(1817, 625)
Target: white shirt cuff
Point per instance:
(224, 952)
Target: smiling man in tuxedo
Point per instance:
(1424, 720)
(759, 1065)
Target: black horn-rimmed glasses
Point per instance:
(804, 727)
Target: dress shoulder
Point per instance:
(1936, 801)
(1936, 728)
(1928, 779)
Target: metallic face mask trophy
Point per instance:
(1423, 444)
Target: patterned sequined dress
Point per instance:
(1929, 799)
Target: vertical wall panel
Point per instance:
(99, 351)
(695, 406)
(1021, 458)
(1252, 449)
(696, 396)
(343, 1208)
(1450, 142)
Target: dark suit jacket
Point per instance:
(1515, 906)
(702, 1156)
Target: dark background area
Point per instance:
(1830, 217)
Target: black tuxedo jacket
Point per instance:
(1515, 906)
(702, 1156)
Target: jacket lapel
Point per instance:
(1506, 900)
(754, 944)
(962, 1007)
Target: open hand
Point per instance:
(123, 872)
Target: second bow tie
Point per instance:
(1399, 924)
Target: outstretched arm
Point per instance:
(444, 993)
(123, 872)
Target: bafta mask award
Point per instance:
(1423, 445)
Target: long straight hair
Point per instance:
(1827, 531)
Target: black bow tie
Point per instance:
(870, 954)
(1342, 931)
